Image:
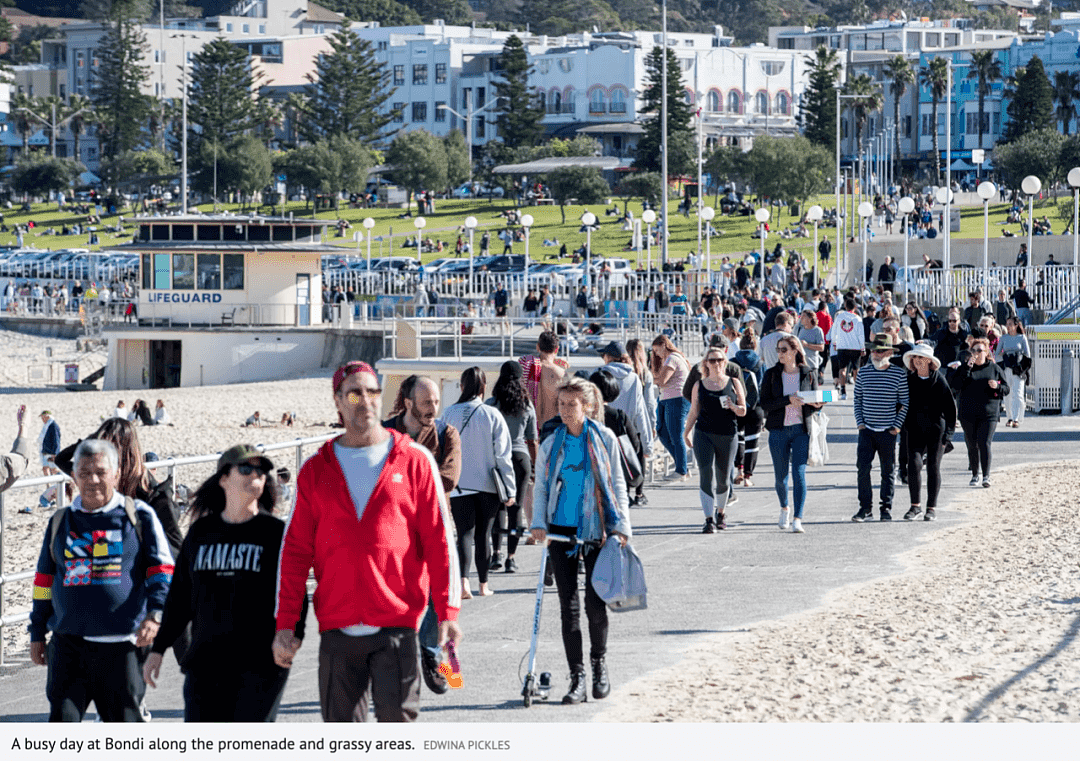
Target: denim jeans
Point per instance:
(429, 632)
(670, 419)
(790, 448)
(883, 444)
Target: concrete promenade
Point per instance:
(699, 585)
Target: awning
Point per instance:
(616, 128)
(544, 166)
(962, 166)
(89, 178)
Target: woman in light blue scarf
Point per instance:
(580, 491)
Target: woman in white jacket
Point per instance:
(475, 502)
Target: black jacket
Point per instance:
(930, 405)
(976, 400)
(947, 346)
(773, 399)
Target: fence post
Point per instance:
(1067, 357)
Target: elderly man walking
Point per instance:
(102, 577)
(372, 518)
(881, 402)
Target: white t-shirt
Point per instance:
(847, 331)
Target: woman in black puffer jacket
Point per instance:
(981, 385)
(930, 422)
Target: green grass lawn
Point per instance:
(609, 241)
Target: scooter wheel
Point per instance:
(527, 693)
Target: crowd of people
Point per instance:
(392, 514)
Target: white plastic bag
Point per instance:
(819, 446)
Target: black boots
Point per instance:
(577, 688)
(601, 687)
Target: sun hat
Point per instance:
(924, 351)
(881, 342)
(241, 453)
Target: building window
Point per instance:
(761, 103)
(440, 73)
(419, 111)
(232, 272)
(618, 102)
(596, 103)
(262, 28)
(541, 101)
(783, 104)
(399, 74)
(247, 28)
(161, 272)
(399, 112)
(466, 96)
(419, 74)
(440, 112)
(208, 274)
(157, 56)
(844, 124)
(383, 44)
(734, 102)
(771, 68)
(183, 272)
(63, 92)
(907, 126)
(228, 27)
(556, 102)
(568, 101)
(481, 127)
(714, 102)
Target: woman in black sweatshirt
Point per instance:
(930, 422)
(224, 583)
(981, 385)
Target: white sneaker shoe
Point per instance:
(974, 481)
(783, 523)
(796, 527)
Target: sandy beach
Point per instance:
(981, 627)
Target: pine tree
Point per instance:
(818, 115)
(116, 91)
(221, 100)
(518, 115)
(1031, 105)
(347, 92)
(681, 155)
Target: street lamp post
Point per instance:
(588, 219)
(1031, 185)
(707, 214)
(526, 223)
(468, 126)
(420, 224)
(368, 224)
(986, 191)
(470, 225)
(839, 233)
(944, 197)
(762, 216)
(865, 210)
(648, 217)
(905, 206)
(1074, 182)
(814, 214)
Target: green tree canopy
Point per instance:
(586, 184)
(419, 161)
(681, 151)
(457, 158)
(985, 68)
(788, 169)
(818, 117)
(245, 166)
(1031, 101)
(222, 100)
(386, 12)
(935, 77)
(518, 115)
(644, 185)
(1038, 152)
(40, 175)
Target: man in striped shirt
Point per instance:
(881, 402)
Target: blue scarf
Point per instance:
(595, 513)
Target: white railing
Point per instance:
(1051, 288)
(171, 465)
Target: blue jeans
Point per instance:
(670, 419)
(790, 448)
(429, 633)
(1025, 316)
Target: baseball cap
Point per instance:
(613, 349)
(731, 323)
(242, 453)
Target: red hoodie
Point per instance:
(375, 571)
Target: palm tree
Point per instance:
(22, 120)
(79, 107)
(935, 75)
(986, 68)
(1066, 93)
(898, 69)
(868, 98)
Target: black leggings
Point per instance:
(511, 515)
(978, 436)
(566, 582)
(924, 446)
(749, 436)
(473, 515)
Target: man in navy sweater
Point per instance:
(100, 587)
(881, 402)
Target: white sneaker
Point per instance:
(783, 523)
(986, 482)
(974, 481)
(796, 526)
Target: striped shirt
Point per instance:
(881, 397)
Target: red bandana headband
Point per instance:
(349, 368)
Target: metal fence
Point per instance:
(8, 618)
(1051, 287)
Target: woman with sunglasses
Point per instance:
(787, 422)
(913, 318)
(225, 584)
(980, 384)
(716, 404)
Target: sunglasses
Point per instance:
(715, 361)
(978, 351)
(353, 397)
(883, 351)
(953, 322)
(246, 469)
(782, 349)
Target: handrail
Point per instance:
(171, 463)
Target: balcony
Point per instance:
(597, 108)
(618, 108)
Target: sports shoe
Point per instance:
(784, 521)
(843, 395)
(511, 566)
(930, 515)
(642, 500)
(886, 515)
(913, 513)
(433, 678)
(986, 482)
(732, 497)
(974, 481)
(496, 562)
(796, 526)
(861, 516)
(709, 527)
(27, 511)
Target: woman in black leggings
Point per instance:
(981, 385)
(930, 422)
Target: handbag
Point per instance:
(500, 486)
(633, 473)
(819, 445)
(618, 577)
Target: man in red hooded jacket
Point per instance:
(372, 518)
